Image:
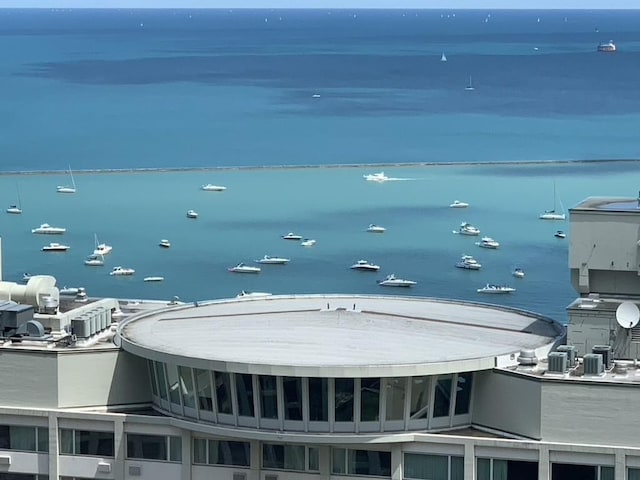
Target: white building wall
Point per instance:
(85, 467)
(152, 470)
(25, 375)
(24, 462)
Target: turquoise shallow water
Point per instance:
(133, 211)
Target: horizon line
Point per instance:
(551, 9)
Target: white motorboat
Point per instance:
(443, 58)
(55, 247)
(467, 229)
(213, 188)
(153, 279)
(192, 214)
(392, 281)
(488, 242)
(607, 47)
(469, 263)
(26, 277)
(67, 188)
(101, 248)
(245, 294)
(164, 243)
(45, 228)
(376, 177)
(15, 209)
(518, 272)
(365, 266)
(491, 288)
(308, 242)
(373, 228)
(242, 268)
(560, 234)
(268, 260)
(292, 236)
(122, 271)
(94, 260)
(458, 204)
(69, 291)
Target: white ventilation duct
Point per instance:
(40, 291)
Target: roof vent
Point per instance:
(570, 350)
(593, 364)
(558, 362)
(527, 357)
(607, 354)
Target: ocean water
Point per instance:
(228, 92)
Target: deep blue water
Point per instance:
(173, 89)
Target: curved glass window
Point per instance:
(344, 395)
(162, 384)
(318, 400)
(223, 393)
(442, 400)
(420, 391)
(396, 395)
(244, 392)
(268, 396)
(463, 393)
(369, 399)
(203, 389)
(292, 391)
(186, 387)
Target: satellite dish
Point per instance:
(627, 314)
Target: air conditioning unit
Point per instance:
(239, 476)
(607, 354)
(5, 459)
(570, 350)
(593, 364)
(104, 467)
(135, 470)
(558, 362)
(270, 476)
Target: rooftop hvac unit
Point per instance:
(593, 364)
(570, 350)
(558, 362)
(80, 327)
(607, 354)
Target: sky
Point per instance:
(327, 4)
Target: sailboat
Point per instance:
(16, 209)
(443, 58)
(552, 214)
(470, 85)
(66, 188)
(101, 248)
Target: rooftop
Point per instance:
(611, 204)
(337, 335)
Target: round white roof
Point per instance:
(336, 336)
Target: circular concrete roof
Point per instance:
(336, 336)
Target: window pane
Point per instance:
(147, 447)
(367, 462)
(186, 387)
(173, 383)
(272, 456)
(66, 441)
(175, 449)
(457, 468)
(483, 469)
(292, 391)
(294, 457)
(22, 438)
(268, 397)
(607, 473)
(98, 444)
(396, 394)
(338, 460)
(162, 385)
(314, 459)
(420, 397)
(633, 474)
(203, 387)
(152, 378)
(463, 393)
(426, 467)
(318, 400)
(369, 399)
(223, 392)
(442, 400)
(500, 468)
(43, 439)
(229, 453)
(244, 391)
(344, 399)
(199, 451)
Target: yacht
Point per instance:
(392, 281)
(55, 247)
(553, 214)
(518, 272)
(45, 228)
(376, 177)
(469, 263)
(244, 294)
(69, 291)
(488, 242)
(491, 288)
(373, 228)
(292, 236)
(268, 260)
(164, 243)
(560, 234)
(101, 248)
(67, 188)
(459, 204)
(467, 229)
(153, 279)
(242, 268)
(122, 271)
(94, 260)
(192, 214)
(308, 242)
(607, 47)
(15, 209)
(365, 266)
(213, 188)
